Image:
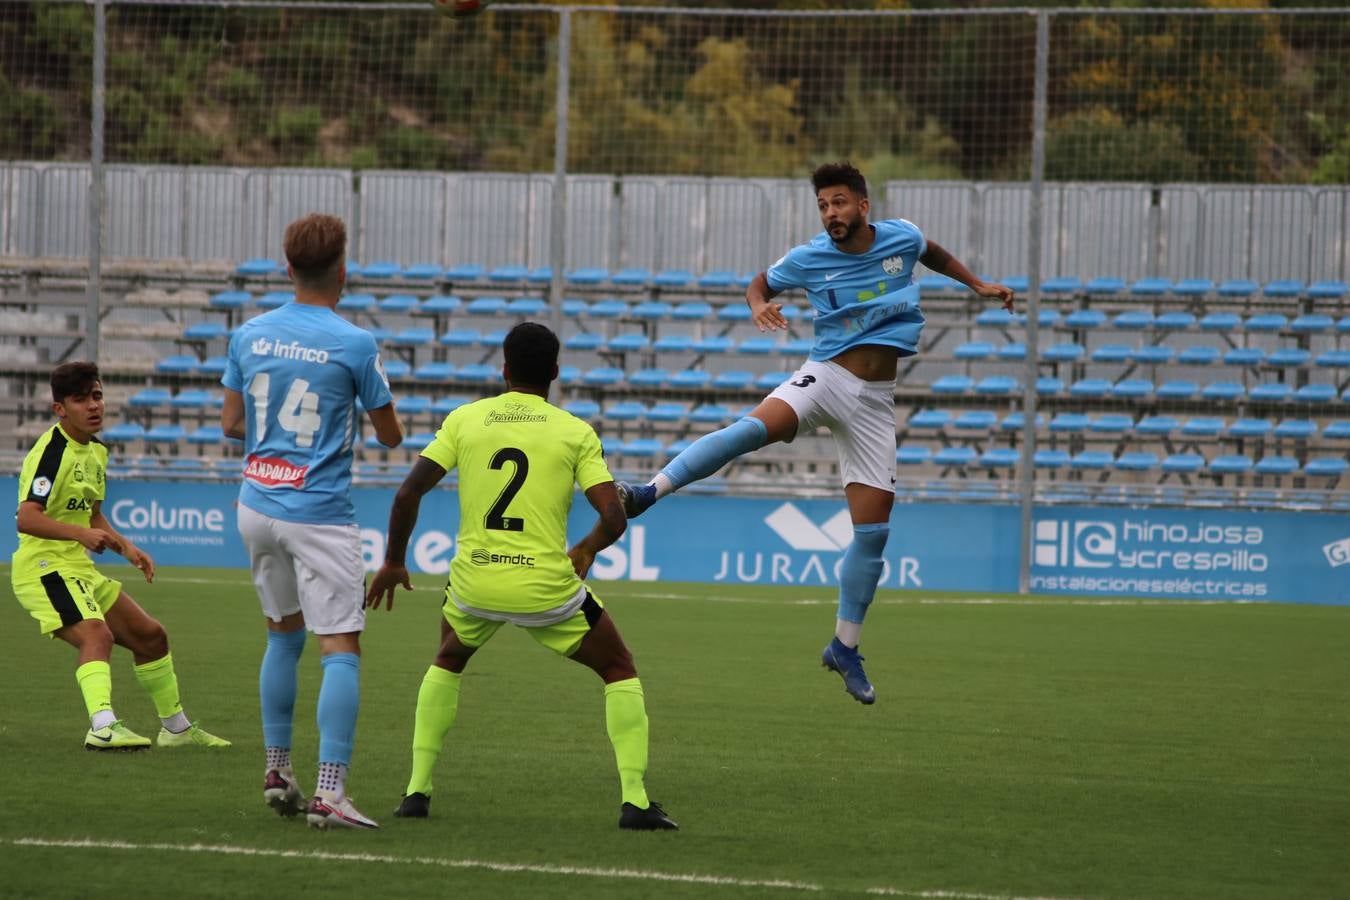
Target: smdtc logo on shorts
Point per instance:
(1058, 543)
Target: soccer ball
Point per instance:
(460, 9)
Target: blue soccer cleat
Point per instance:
(636, 498)
(848, 663)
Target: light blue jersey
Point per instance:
(301, 370)
(859, 298)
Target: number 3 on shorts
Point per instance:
(299, 413)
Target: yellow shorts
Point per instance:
(65, 597)
(563, 638)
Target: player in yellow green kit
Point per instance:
(518, 458)
(60, 516)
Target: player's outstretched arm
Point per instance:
(232, 415)
(135, 555)
(767, 315)
(942, 262)
(424, 476)
(608, 528)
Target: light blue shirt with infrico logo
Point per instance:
(859, 298)
(301, 370)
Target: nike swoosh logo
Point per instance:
(99, 737)
(833, 275)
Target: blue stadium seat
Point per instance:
(1085, 318)
(447, 404)
(1046, 318)
(1092, 459)
(695, 310)
(1069, 423)
(624, 411)
(675, 448)
(583, 409)
(486, 306)
(1250, 428)
(1112, 353)
(757, 346)
(398, 303)
(1014, 421)
(975, 420)
(1284, 287)
(258, 267)
(1315, 393)
(1012, 352)
(1288, 356)
(1191, 287)
(1176, 390)
(418, 440)
(1090, 388)
(955, 457)
(994, 318)
(999, 458)
(1202, 426)
(465, 272)
(713, 344)
(1223, 390)
(230, 300)
(1151, 287)
(1132, 388)
(1133, 320)
(165, 434)
(1104, 286)
(709, 414)
(649, 378)
(609, 308)
(148, 398)
(673, 343)
(492, 339)
(1157, 426)
(1328, 290)
(1277, 465)
(1221, 322)
(1338, 430)
(413, 337)
(1238, 288)
(1183, 463)
(717, 280)
(584, 342)
(377, 270)
(974, 350)
(460, 337)
(1230, 464)
(1137, 461)
(796, 347)
(1296, 429)
(440, 304)
(1333, 359)
(1312, 324)
(478, 372)
(1266, 322)
(1111, 423)
(1060, 286)
(434, 371)
(930, 285)
(575, 307)
(569, 375)
(673, 278)
(952, 384)
(666, 411)
(413, 405)
(602, 376)
(930, 419)
(588, 276)
(733, 380)
(510, 274)
(179, 364)
(767, 381)
(912, 455)
(998, 386)
(526, 306)
(642, 448)
(652, 310)
(1332, 467)
(1050, 459)
(206, 435)
(1049, 387)
(540, 275)
(1152, 355)
(356, 302)
(633, 342)
(1018, 283)
(734, 312)
(193, 399)
(631, 277)
(1197, 356)
(214, 366)
(122, 433)
(690, 379)
(275, 299)
(1270, 392)
(1064, 352)
(422, 271)
(381, 335)
(1244, 356)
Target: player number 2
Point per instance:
(299, 413)
(496, 519)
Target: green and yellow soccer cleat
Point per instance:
(115, 737)
(193, 737)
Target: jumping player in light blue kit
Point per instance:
(292, 382)
(859, 279)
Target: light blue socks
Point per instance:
(713, 451)
(339, 702)
(276, 685)
(861, 570)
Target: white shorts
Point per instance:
(314, 569)
(859, 414)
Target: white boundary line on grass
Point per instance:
(531, 868)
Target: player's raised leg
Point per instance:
(132, 627)
(603, 650)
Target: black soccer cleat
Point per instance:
(414, 806)
(653, 818)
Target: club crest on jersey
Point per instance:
(42, 486)
(892, 265)
(269, 471)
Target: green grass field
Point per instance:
(1016, 749)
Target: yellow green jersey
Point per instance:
(518, 458)
(67, 478)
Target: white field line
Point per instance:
(1037, 600)
(508, 868)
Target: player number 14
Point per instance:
(299, 413)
